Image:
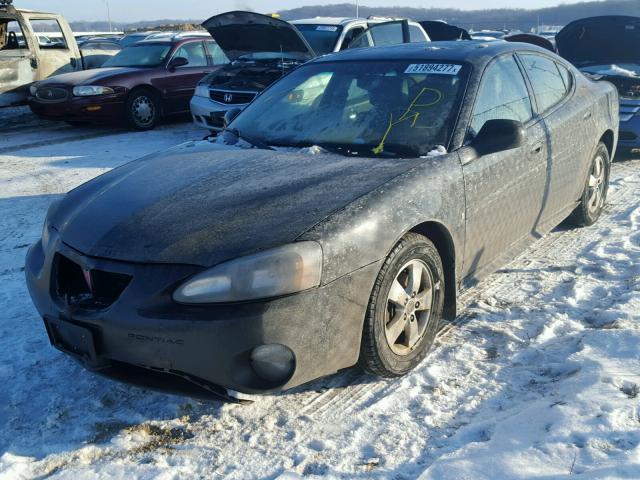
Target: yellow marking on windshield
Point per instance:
(409, 114)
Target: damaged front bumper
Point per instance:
(126, 325)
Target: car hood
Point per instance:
(247, 33)
(203, 203)
(600, 40)
(87, 77)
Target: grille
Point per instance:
(627, 136)
(87, 289)
(232, 98)
(51, 94)
(627, 87)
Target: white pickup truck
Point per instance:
(27, 56)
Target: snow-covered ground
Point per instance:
(538, 378)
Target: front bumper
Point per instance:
(209, 114)
(144, 330)
(98, 109)
(629, 133)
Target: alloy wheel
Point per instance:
(409, 304)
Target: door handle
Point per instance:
(586, 116)
(536, 149)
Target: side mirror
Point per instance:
(498, 135)
(177, 62)
(230, 115)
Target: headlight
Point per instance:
(202, 90)
(279, 271)
(90, 90)
(33, 89)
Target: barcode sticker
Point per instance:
(437, 68)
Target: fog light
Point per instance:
(274, 362)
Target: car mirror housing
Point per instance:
(498, 135)
(230, 115)
(178, 62)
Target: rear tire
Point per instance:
(143, 110)
(594, 195)
(404, 309)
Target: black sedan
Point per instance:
(332, 223)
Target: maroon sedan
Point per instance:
(141, 84)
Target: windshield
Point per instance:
(391, 108)
(139, 56)
(322, 38)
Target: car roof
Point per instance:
(471, 51)
(328, 20)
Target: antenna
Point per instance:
(357, 9)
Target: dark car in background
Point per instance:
(333, 221)
(144, 82)
(608, 48)
(262, 49)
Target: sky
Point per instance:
(135, 10)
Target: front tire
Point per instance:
(404, 309)
(595, 191)
(143, 110)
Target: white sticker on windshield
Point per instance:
(326, 28)
(437, 68)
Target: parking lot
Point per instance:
(552, 336)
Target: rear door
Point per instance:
(180, 83)
(61, 54)
(504, 190)
(18, 66)
(564, 120)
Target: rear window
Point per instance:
(547, 82)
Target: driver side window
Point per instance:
(502, 95)
(194, 53)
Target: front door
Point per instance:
(179, 84)
(504, 190)
(18, 67)
(56, 49)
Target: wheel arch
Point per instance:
(443, 241)
(608, 138)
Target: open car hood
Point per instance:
(609, 39)
(533, 39)
(246, 33)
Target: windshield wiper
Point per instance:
(254, 142)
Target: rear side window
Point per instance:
(416, 34)
(217, 55)
(194, 52)
(547, 82)
(49, 34)
(502, 95)
(566, 76)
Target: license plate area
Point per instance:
(75, 340)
